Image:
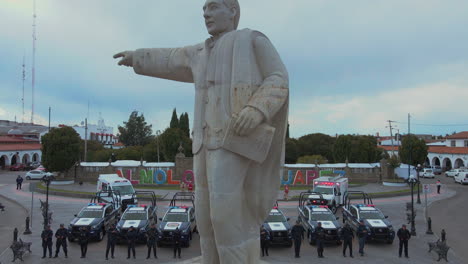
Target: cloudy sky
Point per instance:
(352, 64)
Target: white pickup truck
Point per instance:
(454, 172)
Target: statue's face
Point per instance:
(218, 17)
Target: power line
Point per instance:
(441, 125)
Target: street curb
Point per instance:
(15, 202)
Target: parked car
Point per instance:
(454, 172)
(18, 167)
(427, 173)
(37, 175)
(461, 178)
(437, 170)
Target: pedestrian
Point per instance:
(46, 237)
(83, 239)
(61, 234)
(439, 184)
(320, 237)
(403, 235)
(190, 187)
(19, 182)
(362, 233)
(347, 235)
(443, 235)
(151, 237)
(131, 240)
(176, 242)
(112, 234)
(297, 233)
(286, 192)
(264, 241)
(182, 186)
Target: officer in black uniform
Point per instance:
(61, 234)
(362, 235)
(320, 234)
(347, 235)
(403, 235)
(46, 236)
(131, 240)
(297, 233)
(151, 237)
(112, 234)
(264, 241)
(83, 239)
(176, 242)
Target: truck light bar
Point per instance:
(365, 205)
(319, 206)
(324, 183)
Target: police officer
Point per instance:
(320, 238)
(176, 242)
(404, 235)
(347, 235)
(264, 241)
(19, 182)
(112, 234)
(297, 233)
(151, 237)
(131, 240)
(46, 236)
(61, 234)
(83, 239)
(362, 235)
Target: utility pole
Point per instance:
(33, 71)
(22, 98)
(49, 118)
(391, 135)
(410, 147)
(86, 139)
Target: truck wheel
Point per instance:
(190, 235)
(158, 244)
(334, 208)
(100, 235)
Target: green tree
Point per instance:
(356, 149)
(93, 147)
(316, 144)
(184, 124)
(291, 151)
(129, 153)
(135, 132)
(312, 159)
(174, 120)
(169, 142)
(394, 162)
(60, 149)
(413, 150)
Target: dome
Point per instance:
(15, 131)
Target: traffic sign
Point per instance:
(426, 188)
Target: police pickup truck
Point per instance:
(378, 227)
(278, 228)
(313, 210)
(140, 216)
(178, 216)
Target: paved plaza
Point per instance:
(65, 207)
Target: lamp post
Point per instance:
(47, 179)
(412, 181)
(158, 133)
(418, 169)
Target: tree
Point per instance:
(93, 147)
(316, 144)
(291, 151)
(413, 150)
(394, 162)
(60, 149)
(312, 159)
(184, 124)
(169, 142)
(356, 149)
(174, 120)
(135, 132)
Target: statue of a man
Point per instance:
(241, 94)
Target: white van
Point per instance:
(427, 173)
(121, 186)
(461, 178)
(333, 189)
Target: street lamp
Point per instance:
(412, 181)
(158, 133)
(418, 169)
(47, 179)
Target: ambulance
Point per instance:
(333, 189)
(117, 186)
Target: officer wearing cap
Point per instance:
(320, 237)
(61, 234)
(83, 239)
(297, 233)
(176, 241)
(112, 234)
(362, 235)
(131, 240)
(264, 241)
(151, 237)
(46, 237)
(347, 235)
(403, 235)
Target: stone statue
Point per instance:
(240, 117)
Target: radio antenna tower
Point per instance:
(22, 98)
(33, 72)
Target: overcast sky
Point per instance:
(352, 64)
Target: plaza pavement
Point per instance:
(65, 207)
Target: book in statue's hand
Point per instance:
(254, 146)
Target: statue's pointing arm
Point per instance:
(172, 64)
(274, 91)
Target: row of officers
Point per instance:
(347, 237)
(131, 237)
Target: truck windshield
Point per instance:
(86, 213)
(124, 189)
(143, 215)
(275, 218)
(371, 215)
(176, 217)
(322, 217)
(323, 190)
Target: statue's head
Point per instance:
(221, 16)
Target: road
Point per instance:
(64, 208)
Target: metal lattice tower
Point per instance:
(33, 71)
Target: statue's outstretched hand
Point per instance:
(127, 58)
(249, 118)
